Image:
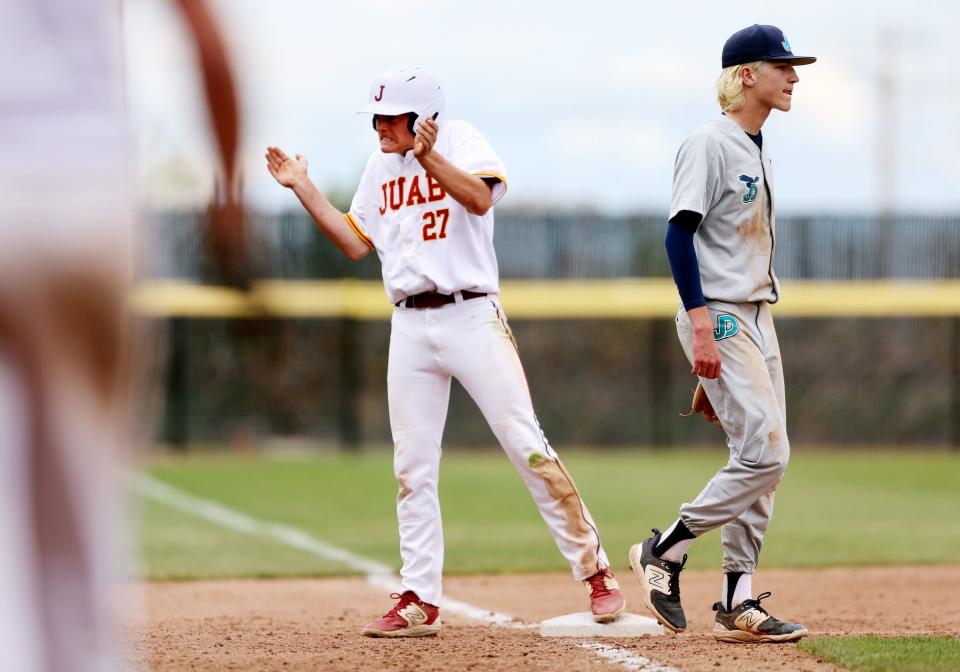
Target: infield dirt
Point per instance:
(314, 624)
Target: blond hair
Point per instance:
(730, 86)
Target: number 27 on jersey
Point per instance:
(430, 221)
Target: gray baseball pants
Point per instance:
(748, 398)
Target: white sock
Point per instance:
(743, 591)
(675, 553)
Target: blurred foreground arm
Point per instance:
(218, 85)
(225, 235)
(292, 173)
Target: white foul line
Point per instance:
(377, 573)
(625, 658)
(234, 520)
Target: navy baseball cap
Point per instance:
(760, 43)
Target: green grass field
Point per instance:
(888, 654)
(833, 508)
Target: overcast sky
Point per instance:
(586, 102)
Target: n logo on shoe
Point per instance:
(657, 578)
(413, 615)
(750, 620)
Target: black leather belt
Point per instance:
(435, 299)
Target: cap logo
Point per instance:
(379, 96)
(786, 43)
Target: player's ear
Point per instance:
(747, 76)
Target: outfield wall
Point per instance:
(596, 382)
(869, 328)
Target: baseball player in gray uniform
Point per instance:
(720, 243)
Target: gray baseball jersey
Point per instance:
(721, 174)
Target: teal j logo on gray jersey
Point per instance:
(752, 188)
(727, 326)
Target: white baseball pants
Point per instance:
(471, 341)
(749, 400)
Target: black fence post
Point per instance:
(349, 414)
(176, 425)
(661, 419)
(955, 383)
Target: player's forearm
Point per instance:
(468, 190)
(330, 220)
(700, 320)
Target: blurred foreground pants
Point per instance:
(64, 262)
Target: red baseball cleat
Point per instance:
(410, 617)
(606, 600)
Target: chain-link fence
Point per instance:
(573, 244)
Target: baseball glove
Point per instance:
(701, 404)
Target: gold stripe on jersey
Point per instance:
(496, 175)
(356, 229)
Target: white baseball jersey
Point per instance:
(425, 239)
(721, 174)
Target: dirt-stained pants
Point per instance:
(470, 341)
(749, 400)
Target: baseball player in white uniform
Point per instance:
(424, 203)
(720, 243)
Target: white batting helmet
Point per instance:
(407, 88)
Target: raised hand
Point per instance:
(426, 137)
(285, 170)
